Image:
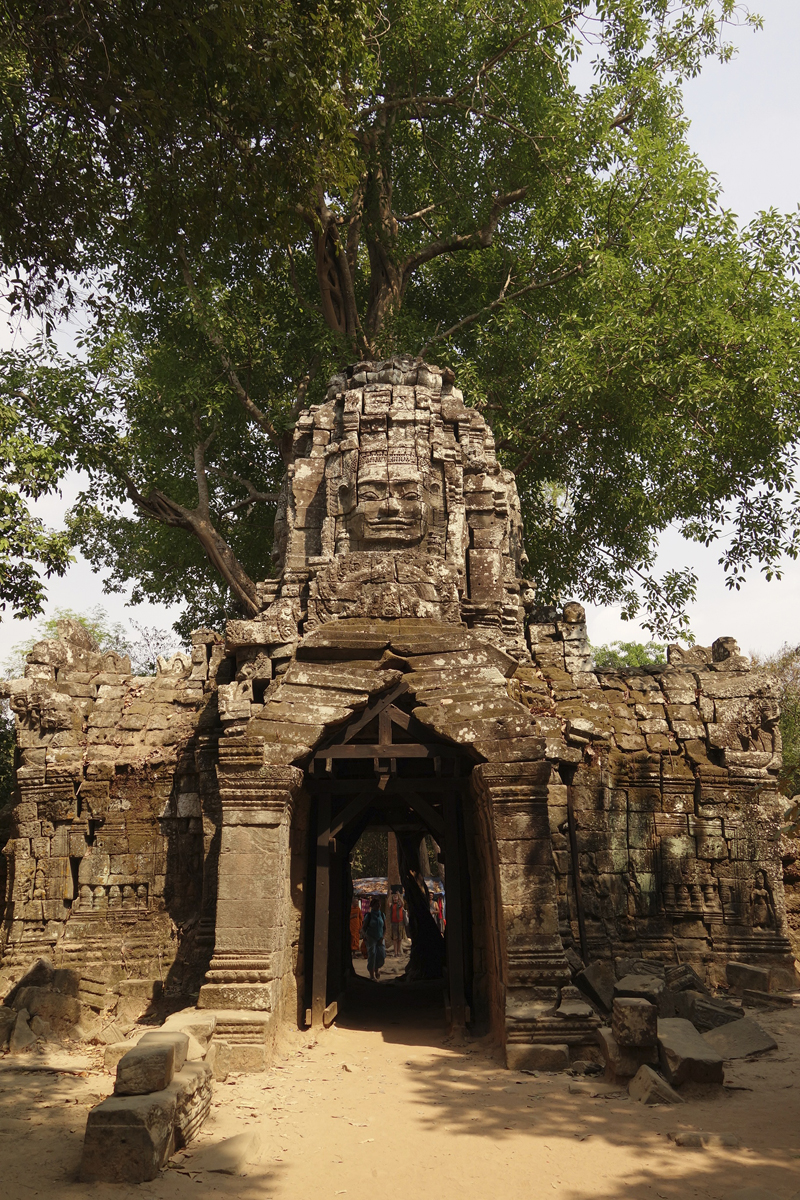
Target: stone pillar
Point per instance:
(535, 966)
(252, 953)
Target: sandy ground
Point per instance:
(384, 1104)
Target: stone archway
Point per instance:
(406, 767)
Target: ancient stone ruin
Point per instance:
(189, 834)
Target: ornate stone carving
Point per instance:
(395, 505)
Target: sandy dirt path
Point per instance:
(384, 1104)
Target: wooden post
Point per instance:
(319, 986)
(454, 935)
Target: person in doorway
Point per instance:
(397, 916)
(373, 931)
(355, 925)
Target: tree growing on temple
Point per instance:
(252, 197)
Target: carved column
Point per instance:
(252, 952)
(535, 966)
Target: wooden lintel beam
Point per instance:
(390, 750)
(420, 805)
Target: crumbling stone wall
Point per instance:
(613, 813)
(115, 817)
(673, 777)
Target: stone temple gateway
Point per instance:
(191, 831)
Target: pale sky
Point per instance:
(744, 117)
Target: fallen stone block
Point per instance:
(648, 1087)
(41, 974)
(647, 987)
(62, 1012)
(760, 999)
(216, 1062)
(704, 1012)
(634, 1021)
(640, 966)
(66, 981)
(684, 1054)
(8, 1019)
(597, 982)
(521, 1057)
(742, 976)
(115, 1051)
(192, 1088)
(681, 977)
(169, 1037)
(737, 1039)
(42, 1029)
(699, 1139)
(145, 1069)
(194, 1022)
(623, 1062)
(228, 1157)
(128, 1138)
(22, 1038)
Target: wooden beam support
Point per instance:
(420, 805)
(454, 936)
(351, 811)
(319, 985)
(371, 711)
(385, 750)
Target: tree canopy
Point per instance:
(243, 198)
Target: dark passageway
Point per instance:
(388, 774)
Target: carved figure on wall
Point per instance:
(762, 903)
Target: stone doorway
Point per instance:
(386, 771)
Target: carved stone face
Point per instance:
(395, 508)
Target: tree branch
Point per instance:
(503, 298)
(479, 238)
(254, 496)
(200, 465)
(246, 402)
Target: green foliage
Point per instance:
(629, 654)
(29, 468)
(304, 184)
(370, 857)
(6, 765)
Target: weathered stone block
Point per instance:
(176, 1038)
(145, 1069)
(685, 1055)
(648, 1087)
(597, 982)
(128, 1138)
(622, 1062)
(738, 1039)
(62, 1012)
(192, 1087)
(743, 976)
(647, 987)
(634, 1021)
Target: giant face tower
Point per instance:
(197, 826)
(395, 506)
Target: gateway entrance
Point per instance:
(386, 771)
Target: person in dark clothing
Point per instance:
(373, 931)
